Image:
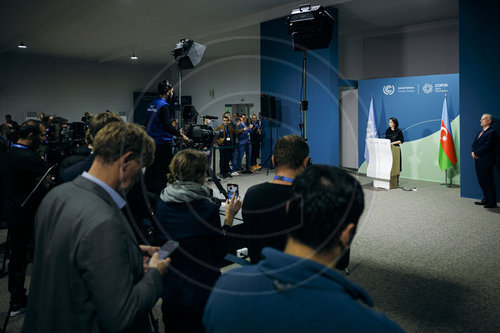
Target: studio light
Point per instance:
(134, 57)
(188, 53)
(22, 46)
(310, 28)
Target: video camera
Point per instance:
(62, 140)
(202, 136)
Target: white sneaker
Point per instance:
(235, 173)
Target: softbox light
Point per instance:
(188, 53)
(310, 28)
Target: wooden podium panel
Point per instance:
(396, 166)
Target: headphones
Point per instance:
(164, 87)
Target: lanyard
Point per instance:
(20, 146)
(227, 132)
(283, 178)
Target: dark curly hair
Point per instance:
(325, 200)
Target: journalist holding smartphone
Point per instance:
(190, 216)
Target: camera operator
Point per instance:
(159, 127)
(20, 171)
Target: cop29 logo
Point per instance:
(427, 88)
(388, 89)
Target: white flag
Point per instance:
(371, 128)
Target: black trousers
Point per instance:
(182, 318)
(255, 152)
(155, 177)
(226, 152)
(20, 236)
(484, 173)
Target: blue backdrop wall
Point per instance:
(281, 76)
(479, 84)
(417, 103)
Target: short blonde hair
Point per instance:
(118, 138)
(188, 165)
(98, 121)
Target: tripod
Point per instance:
(268, 159)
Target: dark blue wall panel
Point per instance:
(479, 27)
(281, 76)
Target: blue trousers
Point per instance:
(236, 158)
(245, 148)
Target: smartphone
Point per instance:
(167, 249)
(232, 189)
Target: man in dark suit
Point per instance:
(88, 270)
(483, 151)
(20, 171)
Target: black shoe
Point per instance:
(491, 205)
(229, 175)
(482, 202)
(223, 176)
(18, 308)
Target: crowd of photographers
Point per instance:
(97, 224)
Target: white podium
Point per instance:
(384, 162)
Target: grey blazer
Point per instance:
(87, 270)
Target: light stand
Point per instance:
(303, 102)
(310, 28)
(187, 55)
(180, 120)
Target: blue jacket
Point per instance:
(284, 293)
(155, 125)
(244, 137)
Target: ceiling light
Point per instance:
(22, 46)
(134, 57)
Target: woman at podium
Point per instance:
(395, 134)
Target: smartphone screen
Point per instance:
(232, 189)
(167, 249)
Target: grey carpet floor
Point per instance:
(428, 258)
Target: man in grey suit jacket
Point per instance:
(88, 272)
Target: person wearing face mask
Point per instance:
(89, 272)
(20, 171)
